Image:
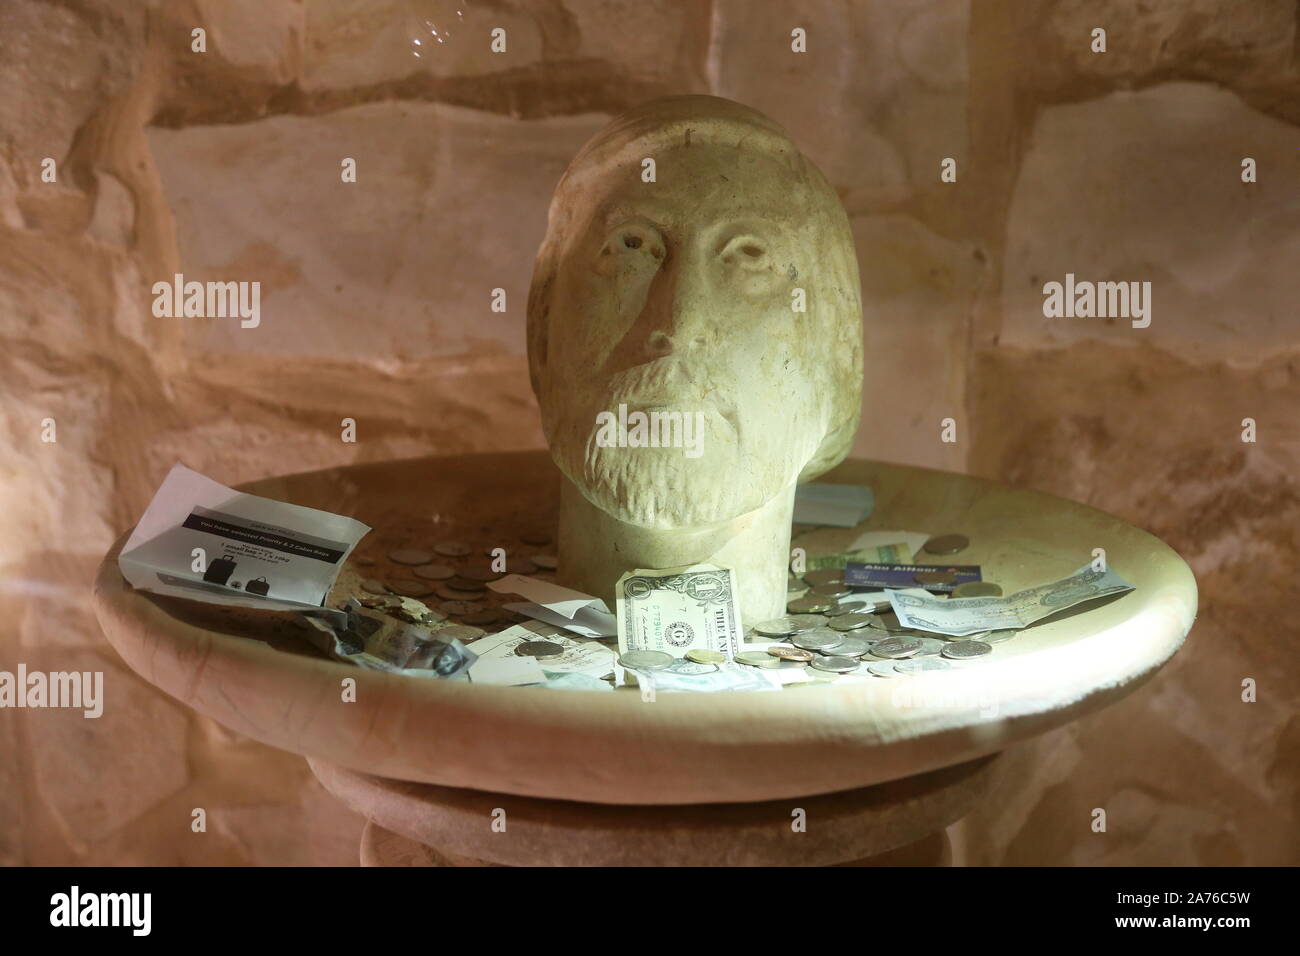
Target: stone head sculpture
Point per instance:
(694, 342)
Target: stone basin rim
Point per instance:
(838, 722)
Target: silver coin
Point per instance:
(817, 639)
(994, 637)
(410, 587)
(835, 664)
(810, 604)
(806, 622)
(851, 647)
(896, 647)
(481, 572)
(540, 649)
(690, 668)
(920, 665)
(823, 576)
(849, 622)
(450, 549)
(794, 586)
(466, 584)
(819, 677)
(930, 646)
(934, 577)
(966, 650)
(645, 660)
(434, 572)
(848, 607)
(456, 594)
(547, 562)
(833, 590)
(977, 589)
(522, 566)
(459, 608)
(757, 659)
(883, 668)
(410, 556)
(777, 627)
(461, 632)
(889, 623)
(946, 544)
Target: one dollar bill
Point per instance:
(958, 617)
(678, 609)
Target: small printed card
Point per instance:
(862, 575)
(201, 540)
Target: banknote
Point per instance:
(880, 554)
(677, 609)
(374, 642)
(962, 616)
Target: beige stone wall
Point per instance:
(1117, 165)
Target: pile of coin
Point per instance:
(828, 630)
(447, 576)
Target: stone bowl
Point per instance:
(259, 680)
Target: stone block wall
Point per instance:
(1116, 165)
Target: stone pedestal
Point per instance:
(897, 823)
(607, 778)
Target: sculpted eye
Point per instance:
(748, 252)
(631, 246)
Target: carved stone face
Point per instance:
(677, 296)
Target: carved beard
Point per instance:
(738, 470)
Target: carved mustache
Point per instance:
(660, 378)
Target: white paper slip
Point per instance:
(841, 506)
(561, 600)
(506, 671)
(579, 656)
(201, 540)
(574, 682)
(588, 621)
(877, 539)
(788, 675)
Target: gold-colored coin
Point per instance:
(787, 653)
(705, 655)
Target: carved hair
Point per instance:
(654, 128)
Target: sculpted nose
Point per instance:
(676, 314)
